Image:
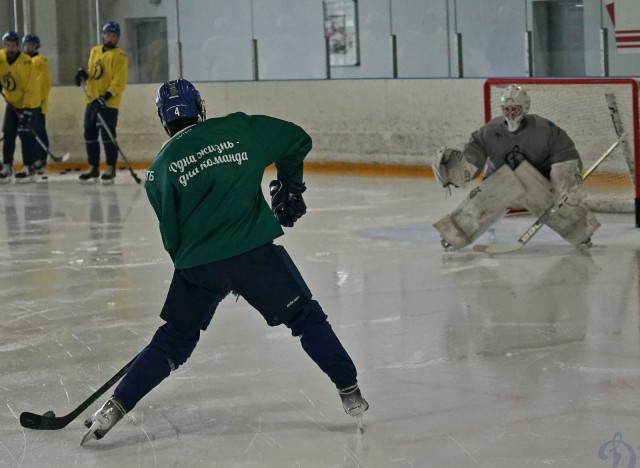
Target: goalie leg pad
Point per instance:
(481, 208)
(539, 191)
(575, 223)
(452, 233)
(566, 177)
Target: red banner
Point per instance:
(625, 16)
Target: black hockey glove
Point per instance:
(81, 75)
(99, 103)
(25, 120)
(287, 202)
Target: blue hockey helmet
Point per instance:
(10, 36)
(31, 38)
(111, 26)
(179, 99)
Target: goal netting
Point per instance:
(593, 111)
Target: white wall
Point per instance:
(210, 40)
(365, 121)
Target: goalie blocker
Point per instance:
(491, 199)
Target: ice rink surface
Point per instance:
(529, 359)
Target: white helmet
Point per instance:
(515, 104)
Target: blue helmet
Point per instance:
(31, 38)
(179, 99)
(111, 26)
(11, 36)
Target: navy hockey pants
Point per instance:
(268, 280)
(92, 128)
(10, 131)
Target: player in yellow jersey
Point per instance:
(22, 96)
(106, 78)
(30, 46)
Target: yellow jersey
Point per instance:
(43, 74)
(19, 81)
(108, 71)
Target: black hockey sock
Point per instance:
(148, 370)
(322, 345)
(93, 152)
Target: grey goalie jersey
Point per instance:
(538, 140)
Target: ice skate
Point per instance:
(25, 175)
(90, 176)
(585, 247)
(39, 166)
(103, 420)
(446, 246)
(108, 176)
(6, 174)
(353, 403)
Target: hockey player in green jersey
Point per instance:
(205, 188)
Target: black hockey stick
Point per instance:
(62, 158)
(103, 124)
(49, 421)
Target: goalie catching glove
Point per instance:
(287, 202)
(451, 168)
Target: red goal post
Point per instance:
(593, 111)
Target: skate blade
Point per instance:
(90, 435)
(107, 182)
(89, 181)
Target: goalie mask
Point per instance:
(179, 99)
(515, 103)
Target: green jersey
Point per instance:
(205, 185)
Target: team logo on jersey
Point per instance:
(98, 70)
(514, 157)
(9, 82)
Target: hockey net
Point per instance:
(593, 111)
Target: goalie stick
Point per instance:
(535, 227)
(49, 421)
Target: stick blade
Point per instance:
(47, 421)
(480, 248)
(31, 420)
(497, 249)
(64, 157)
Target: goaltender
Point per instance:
(528, 160)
